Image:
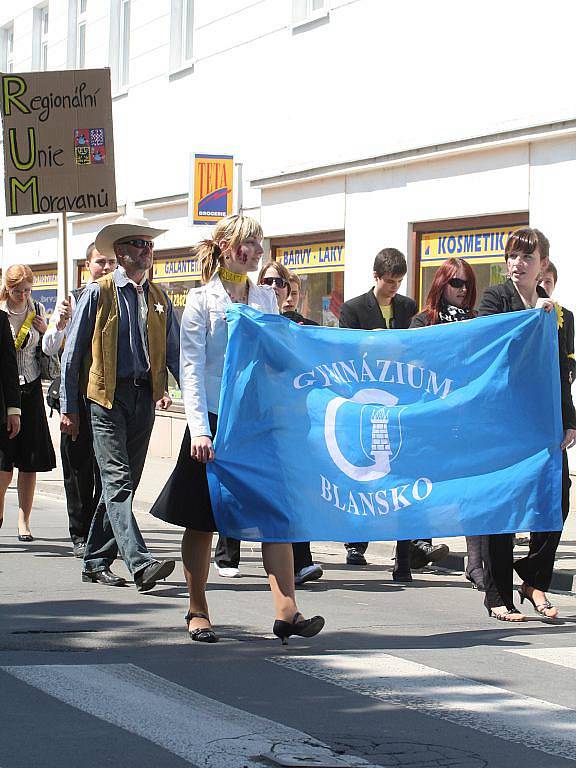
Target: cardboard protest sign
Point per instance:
(58, 142)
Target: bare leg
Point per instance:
(5, 480)
(196, 549)
(26, 488)
(279, 565)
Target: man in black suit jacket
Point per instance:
(9, 392)
(381, 307)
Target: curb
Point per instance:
(562, 580)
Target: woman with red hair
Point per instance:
(30, 450)
(451, 298)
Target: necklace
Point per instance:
(232, 277)
(12, 312)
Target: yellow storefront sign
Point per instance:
(479, 245)
(176, 269)
(313, 257)
(45, 279)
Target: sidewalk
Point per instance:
(157, 471)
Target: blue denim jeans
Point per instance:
(121, 435)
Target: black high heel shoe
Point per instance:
(303, 628)
(200, 634)
(476, 578)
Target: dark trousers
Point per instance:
(81, 477)
(535, 569)
(227, 553)
(402, 549)
(361, 546)
(121, 435)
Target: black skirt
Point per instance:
(185, 499)
(31, 450)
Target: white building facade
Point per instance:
(435, 128)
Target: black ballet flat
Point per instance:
(25, 537)
(303, 628)
(201, 634)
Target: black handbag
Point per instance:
(53, 395)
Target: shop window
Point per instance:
(45, 288)
(176, 274)
(320, 266)
(482, 248)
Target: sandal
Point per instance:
(507, 615)
(201, 634)
(540, 608)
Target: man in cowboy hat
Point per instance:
(122, 338)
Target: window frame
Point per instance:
(8, 47)
(310, 14)
(123, 69)
(81, 24)
(181, 36)
(44, 22)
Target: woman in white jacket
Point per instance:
(225, 261)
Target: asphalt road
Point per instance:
(413, 675)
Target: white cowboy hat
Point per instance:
(122, 229)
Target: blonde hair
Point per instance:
(17, 273)
(234, 230)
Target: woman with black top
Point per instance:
(31, 450)
(9, 391)
(234, 250)
(451, 298)
(526, 255)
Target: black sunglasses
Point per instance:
(457, 282)
(279, 282)
(139, 243)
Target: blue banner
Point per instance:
(346, 435)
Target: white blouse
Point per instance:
(203, 340)
(26, 356)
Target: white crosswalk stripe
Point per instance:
(563, 657)
(525, 720)
(198, 729)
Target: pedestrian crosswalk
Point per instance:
(563, 656)
(200, 730)
(206, 732)
(508, 715)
